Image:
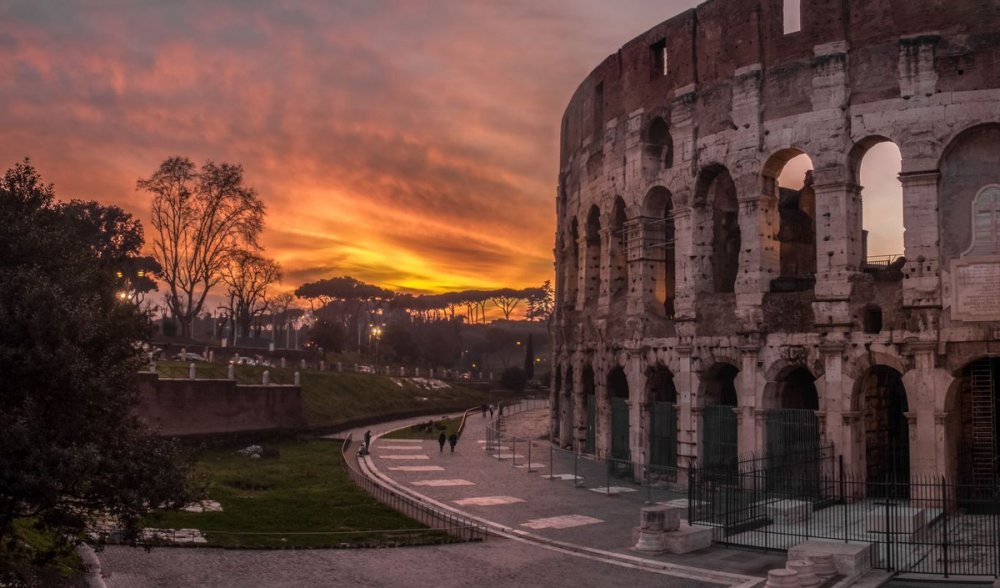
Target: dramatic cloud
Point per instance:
(411, 143)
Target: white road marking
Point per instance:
(438, 483)
(418, 469)
(488, 501)
(403, 457)
(531, 466)
(562, 477)
(561, 522)
(397, 447)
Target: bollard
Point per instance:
(266, 378)
(282, 362)
(416, 372)
(402, 371)
(823, 565)
(211, 356)
(322, 365)
(576, 478)
(806, 572)
(192, 371)
(297, 380)
(431, 373)
(782, 578)
(152, 366)
(302, 364)
(551, 461)
(231, 371)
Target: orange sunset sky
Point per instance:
(411, 143)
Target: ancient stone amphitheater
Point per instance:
(711, 303)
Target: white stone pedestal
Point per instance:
(850, 559)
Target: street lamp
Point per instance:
(376, 333)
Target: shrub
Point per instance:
(513, 378)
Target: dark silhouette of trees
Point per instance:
(248, 277)
(70, 450)
(346, 300)
(200, 217)
(507, 299)
(541, 302)
(513, 378)
(529, 357)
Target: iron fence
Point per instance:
(915, 525)
(459, 528)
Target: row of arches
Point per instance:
(791, 424)
(645, 238)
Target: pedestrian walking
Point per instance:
(483, 407)
(452, 440)
(368, 441)
(500, 404)
(441, 440)
(491, 411)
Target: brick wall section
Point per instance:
(199, 407)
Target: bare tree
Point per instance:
(248, 276)
(200, 217)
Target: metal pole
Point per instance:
(529, 457)
(944, 510)
(552, 450)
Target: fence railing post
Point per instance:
(552, 451)
(944, 515)
(529, 457)
(843, 495)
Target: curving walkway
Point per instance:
(527, 504)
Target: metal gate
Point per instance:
(663, 435)
(591, 421)
(619, 429)
(720, 436)
(792, 438)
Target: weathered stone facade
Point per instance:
(684, 274)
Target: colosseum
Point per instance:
(718, 294)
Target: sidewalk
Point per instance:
(556, 511)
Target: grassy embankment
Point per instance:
(331, 399)
(300, 498)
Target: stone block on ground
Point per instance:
(687, 538)
(807, 572)
(659, 518)
(850, 559)
(905, 520)
(782, 578)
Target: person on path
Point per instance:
(491, 411)
(483, 407)
(441, 440)
(368, 441)
(452, 440)
(500, 404)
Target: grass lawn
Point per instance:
(334, 398)
(427, 430)
(304, 490)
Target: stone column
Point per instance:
(759, 251)
(646, 255)
(637, 398)
(602, 418)
(838, 248)
(688, 414)
(604, 295)
(579, 405)
(836, 390)
(687, 272)
(922, 286)
(920, 383)
(748, 382)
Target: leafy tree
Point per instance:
(346, 300)
(328, 335)
(248, 278)
(507, 299)
(69, 353)
(200, 218)
(541, 302)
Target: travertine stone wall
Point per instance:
(739, 99)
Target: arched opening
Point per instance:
(720, 446)
(970, 169)
(572, 266)
(592, 262)
(979, 442)
(717, 207)
(793, 448)
(876, 163)
(662, 395)
(589, 394)
(788, 177)
(658, 151)
(618, 258)
(658, 250)
(618, 394)
(887, 431)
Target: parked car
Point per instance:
(366, 369)
(190, 356)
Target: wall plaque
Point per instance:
(976, 289)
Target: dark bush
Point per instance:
(514, 378)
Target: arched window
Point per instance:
(659, 148)
(986, 222)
